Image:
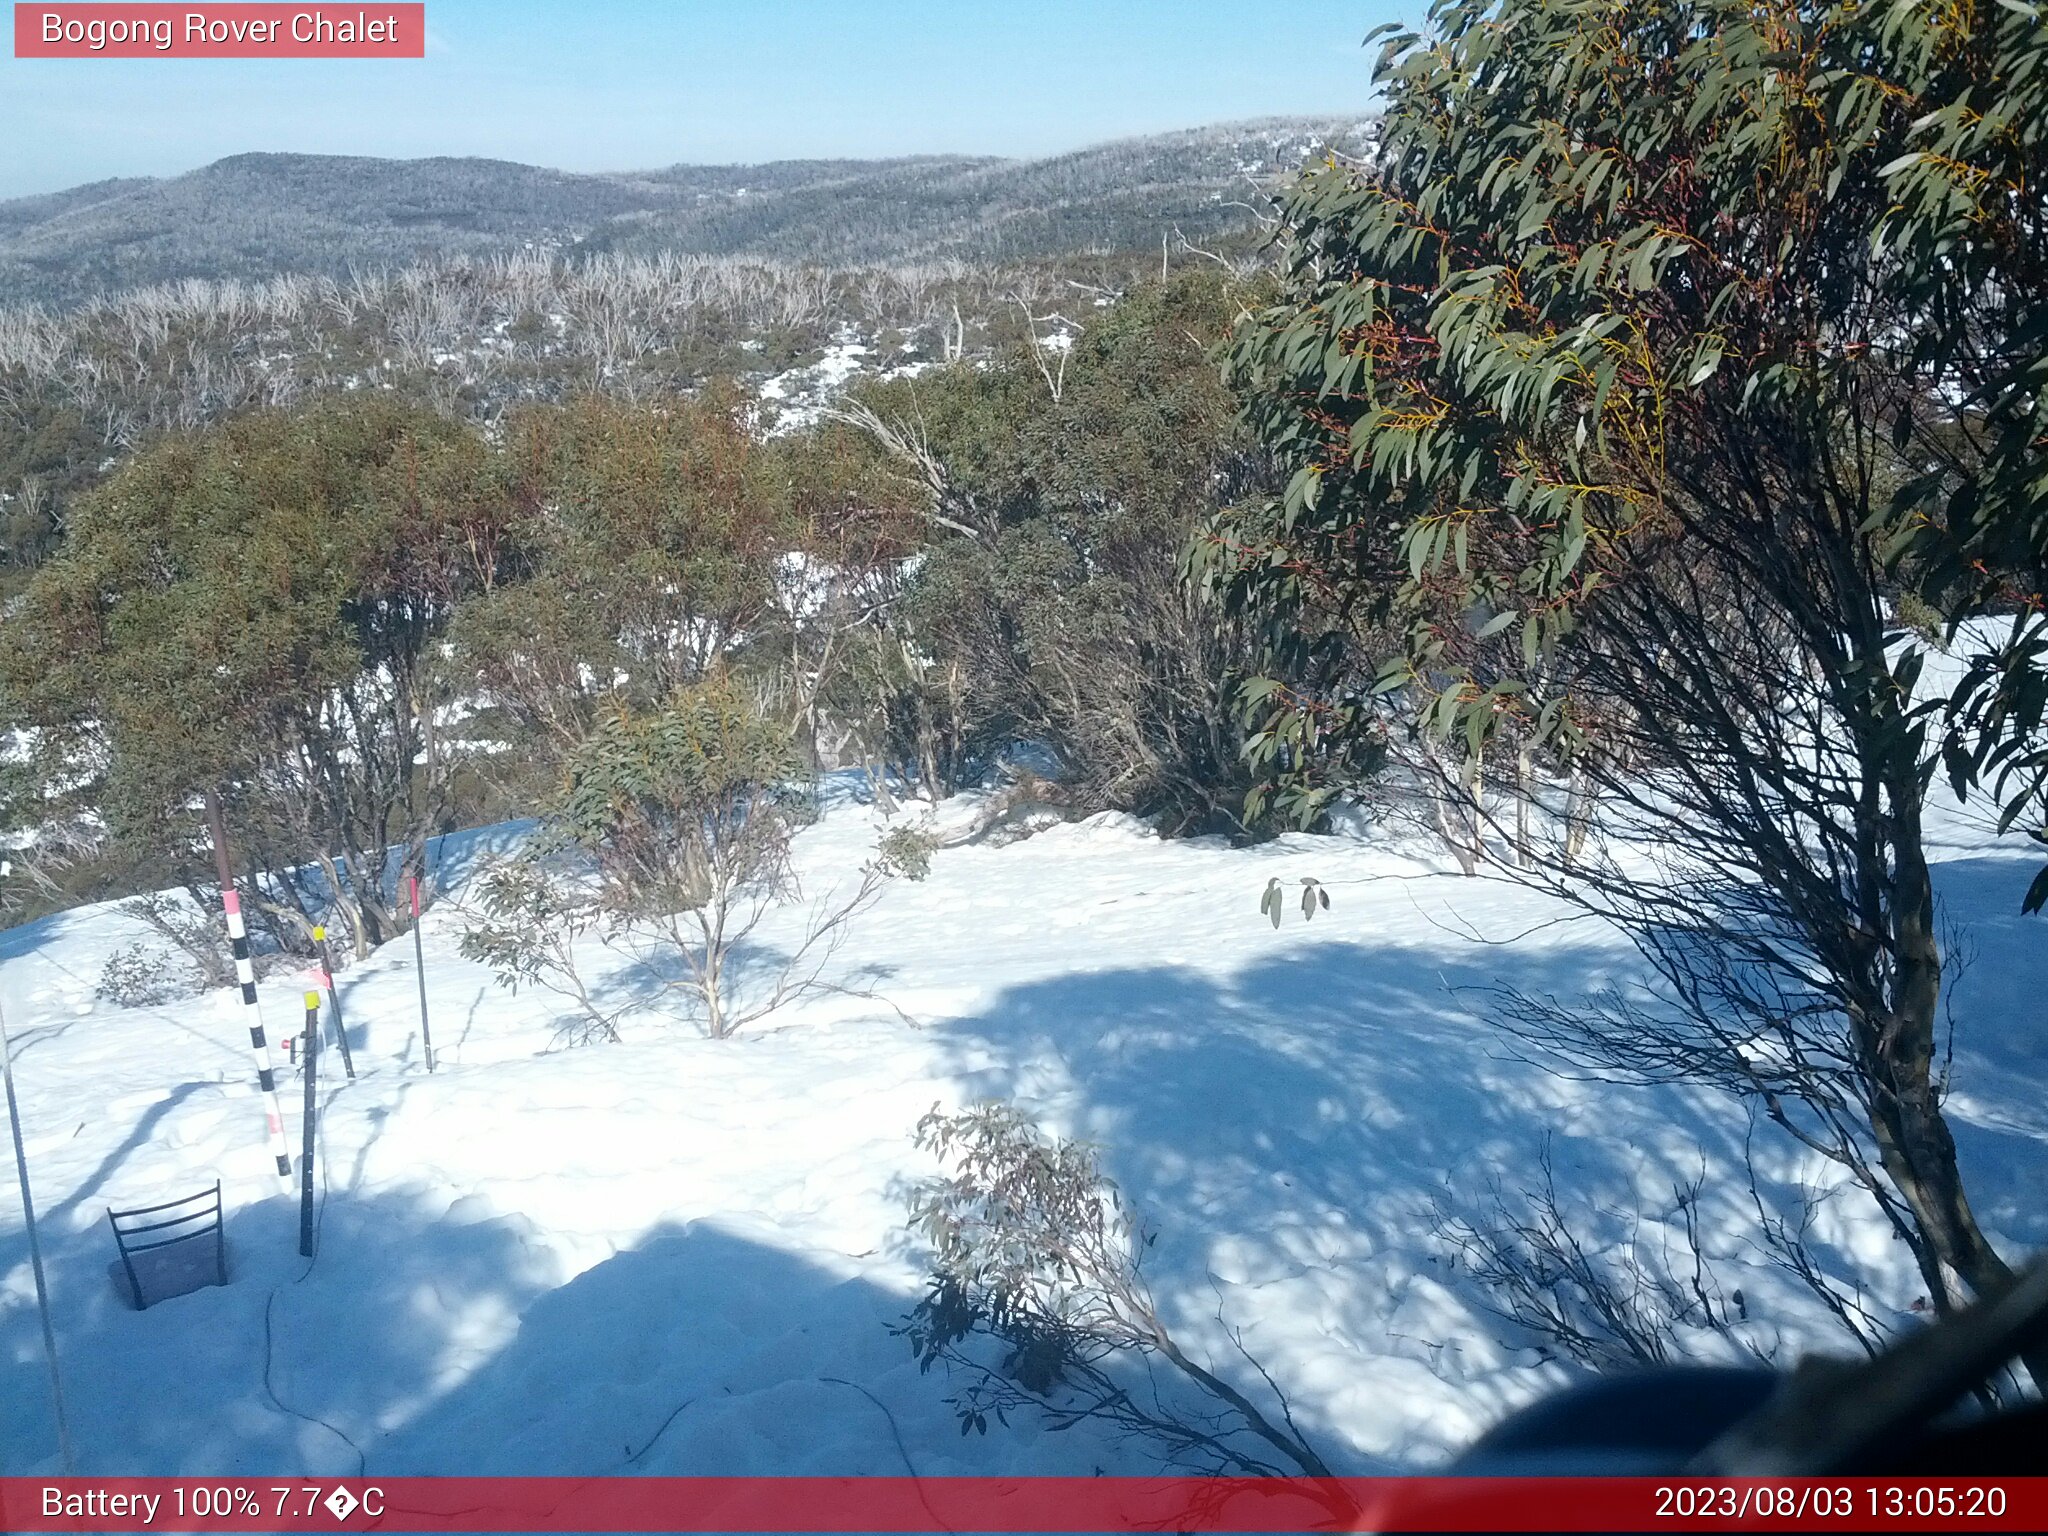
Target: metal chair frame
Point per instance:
(205, 1208)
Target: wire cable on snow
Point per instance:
(636, 1455)
(362, 1461)
(319, 1219)
(897, 1435)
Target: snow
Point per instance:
(675, 1255)
(803, 394)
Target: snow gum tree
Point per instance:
(669, 840)
(1058, 488)
(647, 539)
(687, 813)
(1966, 244)
(1600, 392)
(256, 612)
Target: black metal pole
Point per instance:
(312, 1049)
(348, 1061)
(419, 954)
(35, 1253)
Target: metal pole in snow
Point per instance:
(245, 973)
(312, 1059)
(348, 1062)
(35, 1251)
(419, 953)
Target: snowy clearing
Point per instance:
(675, 1255)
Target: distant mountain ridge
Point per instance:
(255, 215)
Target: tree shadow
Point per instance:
(1287, 1130)
(700, 1351)
(1282, 1126)
(366, 1333)
(138, 1137)
(1996, 1107)
(425, 1341)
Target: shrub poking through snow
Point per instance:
(1645, 1296)
(193, 958)
(908, 851)
(1034, 1250)
(142, 976)
(192, 932)
(531, 917)
(670, 843)
(1274, 898)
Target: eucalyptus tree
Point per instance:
(256, 612)
(1604, 394)
(645, 546)
(1049, 605)
(1965, 242)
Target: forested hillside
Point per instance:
(256, 216)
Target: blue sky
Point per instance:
(610, 85)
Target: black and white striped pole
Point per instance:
(245, 973)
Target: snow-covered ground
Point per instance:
(675, 1255)
(801, 395)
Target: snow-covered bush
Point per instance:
(202, 942)
(193, 956)
(908, 851)
(1034, 1249)
(669, 844)
(143, 975)
(1026, 804)
(531, 917)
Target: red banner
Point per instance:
(151, 31)
(1022, 1504)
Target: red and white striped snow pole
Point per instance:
(245, 973)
